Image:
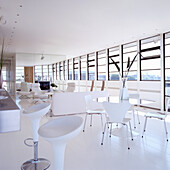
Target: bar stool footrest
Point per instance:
(40, 164)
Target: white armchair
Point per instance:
(70, 87)
(25, 91)
(38, 93)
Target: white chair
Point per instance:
(38, 93)
(94, 108)
(161, 115)
(135, 108)
(25, 91)
(116, 113)
(34, 113)
(58, 132)
(70, 87)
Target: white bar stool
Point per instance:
(58, 132)
(35, 113)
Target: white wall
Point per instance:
(28, 59)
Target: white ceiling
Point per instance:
(76, 27)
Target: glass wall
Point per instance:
(113, 56)
(83, 67)
(167, 64)
(130, 52)
(76, 68)
(57, 71)
(45, 72)
(101, 65)
(50, 69)
(70, 69)
(91, 66)
(65, 70)
(150, 59)
(19, 74)
(38, 73)
(61, 71)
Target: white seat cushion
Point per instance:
(156, 115)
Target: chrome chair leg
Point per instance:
(166, 130)
(127, 135)
(144, 126)
(102, 120)
(104, 132)
(91, 120)
(138, 117)
(110, 130)
(85, 122)
(130, 130)
(134, 121)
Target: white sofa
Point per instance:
(72, 102)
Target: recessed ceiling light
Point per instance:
(20, 6)
(15, 22)
(17, 15)
(13, 27)
(12, 32)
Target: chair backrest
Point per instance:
(70, 87)
(24, 87)
(116, 111)
(92, 85)
(103, 85)
(167, 102)
(36, 88)
(88, 100)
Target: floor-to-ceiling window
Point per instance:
(101, 65)
(70, 69)
(150, 59)
(83, 67)
(19, 74)
(45, 72)
(130, 54)
(38, 73)
(167, 64)
(50, 73)
(65, 70)
(61, 71)
(91, 66)
(76, 68)
(113, 56)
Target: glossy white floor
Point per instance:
(86, 153)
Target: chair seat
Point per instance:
(126, 120)
(161, 115)
(96, 111)
(61, 128)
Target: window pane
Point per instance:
(70, 69)
(83, 67)
(57, 71)
(150, 59)
(113, 55)
(50, 73)
(167, 64)
(91, 66)
(38, 73)
(61, 71)
(19, 74)
(130, 51)
(65, 70)
(45, 72)
(101, 67)
(76, 68)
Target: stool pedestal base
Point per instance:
(40, 164)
